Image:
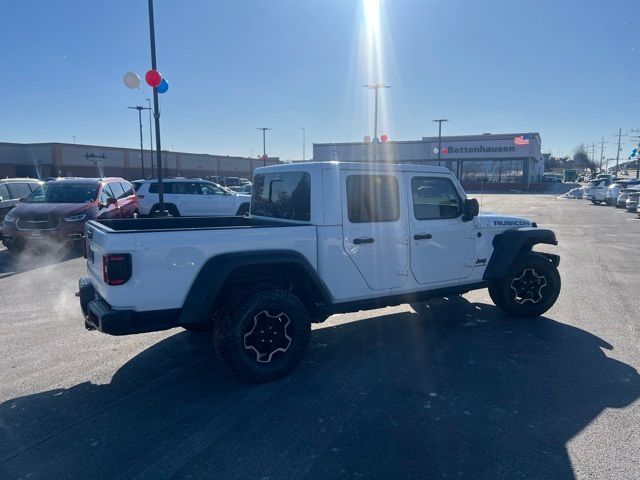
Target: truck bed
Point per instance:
(159, 224)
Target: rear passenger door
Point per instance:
(442, 245)
(375, 227)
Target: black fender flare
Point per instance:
(214, 273)
(507, 245)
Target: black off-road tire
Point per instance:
(243, 210)
(539, 269)
(235, 327)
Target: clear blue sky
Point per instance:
(568, 69)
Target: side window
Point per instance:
(117, 190)
(128, 188)
(34, 186)
(434, 198)
(210, 189)
(284, 195)
(168, 187)
(105, 194)
(4, 192)
(373, 198)
(19, 190)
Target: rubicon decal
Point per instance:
(511, 223)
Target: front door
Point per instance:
(375, 227)
(214, 200)
(442, 246)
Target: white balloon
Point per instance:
(131, 80)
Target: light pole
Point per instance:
(439, 121)
(156, 110)
(264, 143)
(140, 108)
(150, 133)
(74, 139)
(376, 87)
(303, 144)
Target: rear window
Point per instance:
(137, 185)
(285, 195)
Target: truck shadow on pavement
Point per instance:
(463, 392)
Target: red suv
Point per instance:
(58, 210)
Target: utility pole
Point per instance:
(618, 151)
(376, 87)
(593, 152)
(150, 133)
(636, 138)
(264, 143)
(439, 121)
(303, 144)
(602, 142)
(140, 108)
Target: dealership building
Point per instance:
(41, 160)
(498, 161)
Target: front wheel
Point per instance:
(264, 336)
(529, 289)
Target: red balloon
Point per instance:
(153, 78)
(384, 137)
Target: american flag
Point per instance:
(521, 140)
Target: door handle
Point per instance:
(422, 236)
(358, 241)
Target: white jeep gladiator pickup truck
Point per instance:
(321, 238)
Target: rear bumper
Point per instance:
(99, 315)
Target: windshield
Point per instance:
(64, 193)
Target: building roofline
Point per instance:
(448, 138)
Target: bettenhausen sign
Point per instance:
(478, 149)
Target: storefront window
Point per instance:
(491, 171)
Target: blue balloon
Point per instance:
(163, 87)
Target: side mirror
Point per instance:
(111, 201)
(470, 210)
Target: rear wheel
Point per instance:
(264, 336)
(529, 289)
(243, 210)
(171, 209)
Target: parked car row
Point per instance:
(55, 212)
(620, 193)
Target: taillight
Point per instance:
(116, 268)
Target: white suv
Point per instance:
(191, 197)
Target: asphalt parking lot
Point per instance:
(463, 393)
